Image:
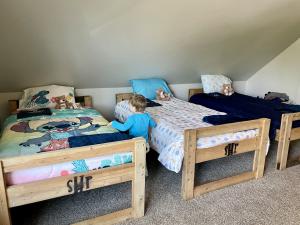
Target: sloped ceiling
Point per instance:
(103, 43)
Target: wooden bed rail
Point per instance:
(193, 155)
(22, 194)
(284, 136)
(48, 158)
(229, 128)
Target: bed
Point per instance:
(286, 130)
(181, 135)
(34, 167)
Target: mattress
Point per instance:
(36, 135)
(172, 118)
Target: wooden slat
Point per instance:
(284, 141)
(4, 210)
(85, 101)
(194, 91)
(295, 134)
(285, 136)
(138, 183)
(277, 135)
(55, 187)
(13, 106)
(123, 96)
(206, 154)
(112, 218)
(260, 154)
(66, 155)
(229, 128)
(215, 185)
(88, 101)
(189, 161)
(296, 116)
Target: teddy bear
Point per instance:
(228, 89)
(162, 96)
(63, 103)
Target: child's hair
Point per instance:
(139, 102)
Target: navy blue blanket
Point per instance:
(86, 140)
(241, 107)
(34, 112)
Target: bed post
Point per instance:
(194, 91)
(138, 182)
(4, 210)
(189, 162)
(260, 153)
(284, 141)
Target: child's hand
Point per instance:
(110, 124)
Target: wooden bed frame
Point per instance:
(22, 194)
(193, 155)
(284, 135)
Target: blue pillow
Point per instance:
(148, 87)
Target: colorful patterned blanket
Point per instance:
(35, 135)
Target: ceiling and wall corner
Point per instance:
(282, 74)
(101, 44)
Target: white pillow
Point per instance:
(44, 97)
(214, 83)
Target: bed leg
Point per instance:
(188, 171)
(284, 141)
(260, 154)
(138, 183)
(4, 210)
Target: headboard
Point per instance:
(123, 96)
(85, 101)
(194, 91)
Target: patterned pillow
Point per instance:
(44, 97)
(214, 83)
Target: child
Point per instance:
(139, 122)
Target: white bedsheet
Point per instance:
(172, 118)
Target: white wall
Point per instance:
(282, 74)
(240, 86)
(104, 98)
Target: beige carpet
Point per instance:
(274, 199)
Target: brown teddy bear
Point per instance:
(228, 89)
(63, 103)
(162, 96)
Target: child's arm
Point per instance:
(122, 127)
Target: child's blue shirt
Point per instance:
(137, 124)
